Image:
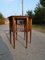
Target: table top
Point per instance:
(19, 17)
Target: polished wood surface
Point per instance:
(26, 27)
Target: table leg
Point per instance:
(16, 35)
(16, 30)
(24, 35)
(14, 40)
(26, 39)
(30, 35)
(10, 35)
(27, 33)
(24, 31)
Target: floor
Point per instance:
(35, 50)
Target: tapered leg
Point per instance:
(10, 35)
(24, 32)
(16, 35)
(24, 35)
(30, 35)
(14, 40)
(16, 30)
(10, 31)
(26, 39)
(27, 33)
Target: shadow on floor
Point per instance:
(5, 54)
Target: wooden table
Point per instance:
(27, 24)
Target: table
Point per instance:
(25, 22)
